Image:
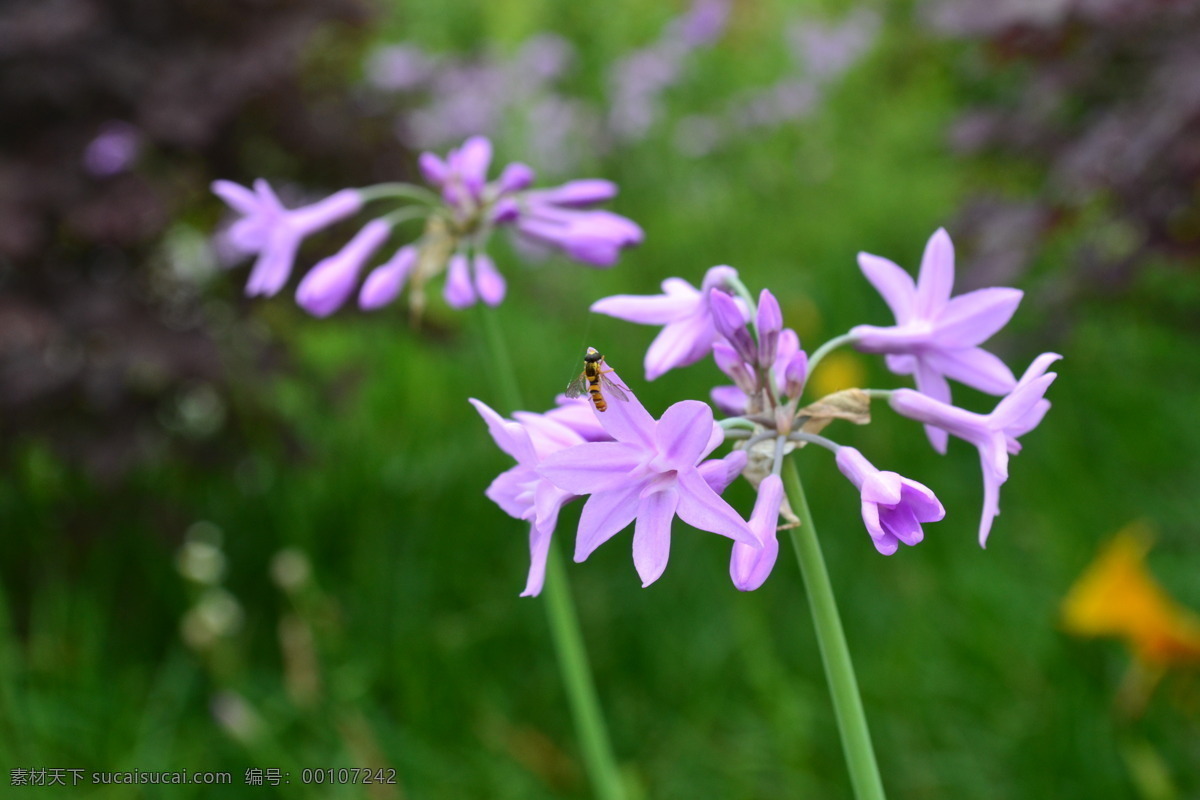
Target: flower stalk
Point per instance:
(835, 654)
(573, 665)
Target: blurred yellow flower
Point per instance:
(1117, 596)
(838, 370)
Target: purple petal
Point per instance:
(511, 490)
(991, 500)
(718, 473)
(459, 290)
(238, 197)
(893, 283)
(605, 515)
(585, 192)
(900, 523)
(433, 168)
(702, 508)
(652, 534)
(509, 436)
(539, 549)
(274, 264)
(936, 280)
(384, 284)
(489, 283)
(515, 177)
(921, 499)
(974, 367)
(884, 542)
(680, 299)
(682, 435)
(594, 467)
(474, 158)
(627, 420)
(972, 318)
(679, 344)
(931, 384)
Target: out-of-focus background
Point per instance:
(234, 537)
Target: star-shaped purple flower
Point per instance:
(935, 336)
(650, 472)
(275, 232)
(893, 507)
(994, 434)
(684, 312)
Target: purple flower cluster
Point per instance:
(639, 470)
(457, 224)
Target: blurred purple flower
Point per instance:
(331, 281)
(936, 337)
(702, 24)
(275, 232)
(520, 491)
(684, 312)
(749, 566)
(400, 68)
(893, 507)
(113, 151)
(650, 473)
(994, 434)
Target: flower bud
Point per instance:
(769, 323)
(730, 323)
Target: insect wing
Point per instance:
(612, 388)
(578, 387)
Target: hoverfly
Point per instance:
(591, 379)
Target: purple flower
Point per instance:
(386, 281)
(275, 232)
(331, 281)
(893, 507)
(936, 337)
(113, 151)
(750, 566)
(650, 473)
(684, 312)
(994, 434)
(521, 492)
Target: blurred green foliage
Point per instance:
(424, 658)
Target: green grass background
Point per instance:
(428, 660)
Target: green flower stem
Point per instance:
(847, 704)
(407, 191)
(573, 663)
(827, 348)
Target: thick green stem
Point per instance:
(573, 663)
(847, 703)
